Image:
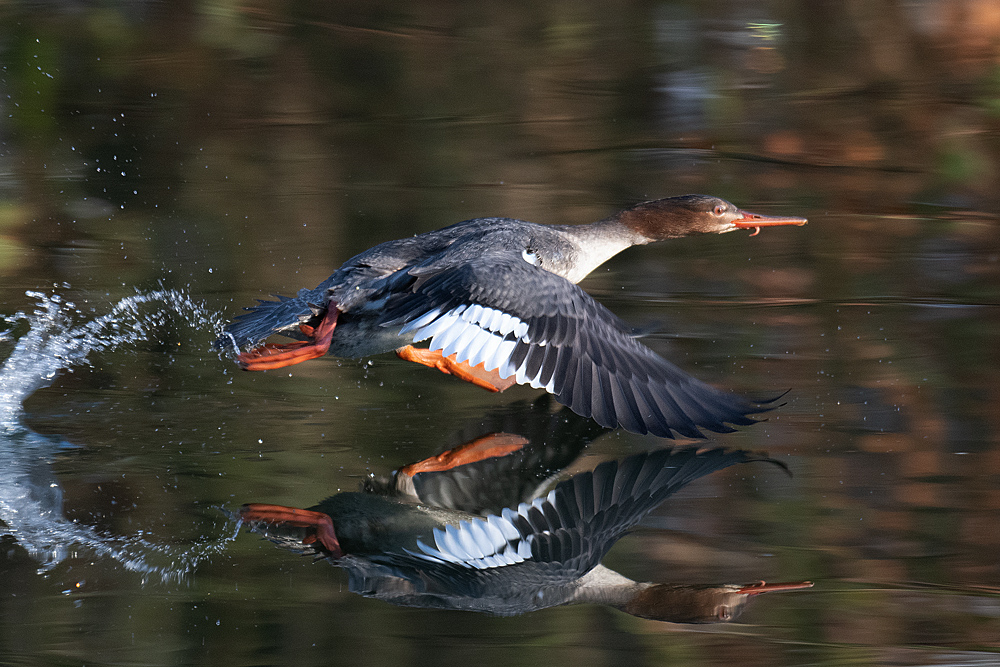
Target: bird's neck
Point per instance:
(598, 242)
(605, 586)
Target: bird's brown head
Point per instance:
(700, 604)
(674, 217)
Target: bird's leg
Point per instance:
(489, 446)
(271, 355)
(477, 375)
(318, 525)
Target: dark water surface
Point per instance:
(162, 165)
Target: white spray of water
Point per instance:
(30, 495)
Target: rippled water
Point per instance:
(162, 166)
(31, 497)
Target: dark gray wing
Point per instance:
(501, 311)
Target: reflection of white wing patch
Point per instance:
(494, 541)
(479, 544)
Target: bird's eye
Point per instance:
(723, 612)
(719, 209)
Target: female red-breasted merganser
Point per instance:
(498, 300)
(543, 552)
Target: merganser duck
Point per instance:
(543, 552)
(498, 301)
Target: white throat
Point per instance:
(597, 243)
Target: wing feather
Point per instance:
(547, 332)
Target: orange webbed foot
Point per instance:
(477, 375)
(271, 356)
(319, 526)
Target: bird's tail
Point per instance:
(274, 317)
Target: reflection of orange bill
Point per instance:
(764, 587)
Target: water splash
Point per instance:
(30, 494)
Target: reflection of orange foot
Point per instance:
(477, 375)
(763, 587)
(272, 356)
(319, 526)
(490, 446)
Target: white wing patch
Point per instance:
(477, 334)
(476, 544)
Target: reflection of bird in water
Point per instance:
(506, 456)
(498, 301)
(542, 552)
